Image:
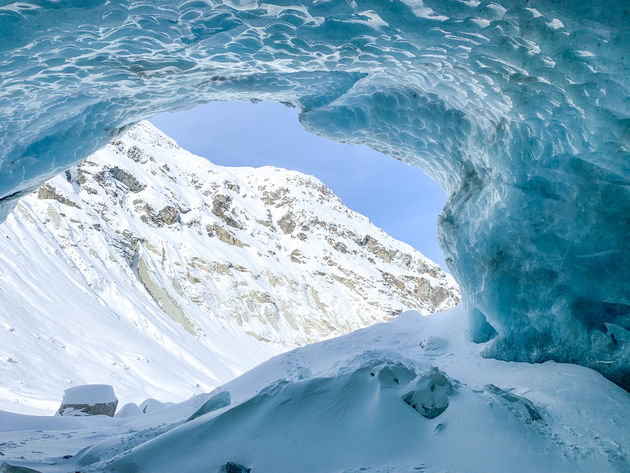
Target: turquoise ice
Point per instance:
(520, 110)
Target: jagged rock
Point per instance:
(6, 468)
(423, 290)
(169, 215)
(287, 224)
(88, 400)
(430, 394)
(127, 179)
(231, 467)
(49, 192)
(224, 235)
(232, 186)
(220, 206)
(135, 153)
(377, 249)
(297, 257)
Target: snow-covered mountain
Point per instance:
(151, 269)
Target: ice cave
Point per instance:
(520, 110)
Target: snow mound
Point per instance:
(339, 406)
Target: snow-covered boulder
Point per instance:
(88, 400)
(430, 394)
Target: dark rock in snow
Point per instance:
(88, 400)
(127, 179)
(49, 192)
(287, 224)
(430, 394)
(169, 215)
(150, 405)
(519, 405)
(230, 467)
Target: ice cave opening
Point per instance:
(396, 197)
(519, 110)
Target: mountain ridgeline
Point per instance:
(149, 249)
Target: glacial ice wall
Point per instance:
(519, 109)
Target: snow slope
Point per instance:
(337, 406)
(153, 270)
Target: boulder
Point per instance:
(231, 467)
(429, 396)
(88, 400)
(169, 215)
(127, 179)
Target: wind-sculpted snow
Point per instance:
(520, 110)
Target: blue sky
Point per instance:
(398, 198)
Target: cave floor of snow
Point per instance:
(336, 406)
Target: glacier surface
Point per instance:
(520, 110)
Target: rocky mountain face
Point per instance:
(185, 264)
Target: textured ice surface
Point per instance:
(520, 110)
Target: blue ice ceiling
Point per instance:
(519, 109)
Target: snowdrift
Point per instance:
(343, 405)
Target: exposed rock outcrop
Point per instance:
(127, 179)
(49, 192)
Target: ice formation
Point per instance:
(519, 109)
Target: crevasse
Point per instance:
(520, 110)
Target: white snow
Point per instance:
(333, 407)
(89, 394)
(75, 311)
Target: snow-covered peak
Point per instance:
(164, 275)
